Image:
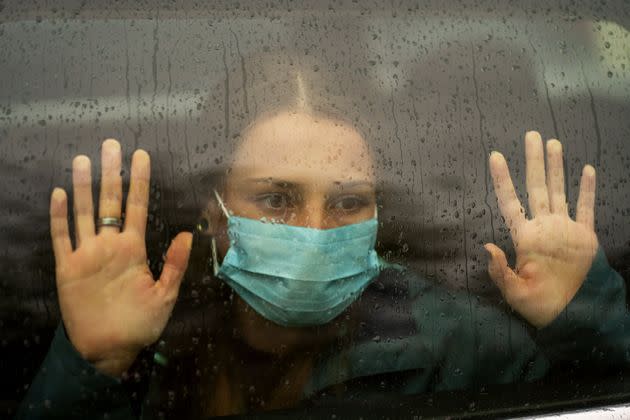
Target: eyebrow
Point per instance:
(270, 181)
(347, 184)
(290, 184)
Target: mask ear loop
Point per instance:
(215, 259)
(225, 211)
(215, 263)
(201, 227)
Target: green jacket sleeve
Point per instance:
(456, 341)
(69, 387)
(594, 328)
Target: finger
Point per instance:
(62, 246)
(500, 272)
(535, 164)
(585, 213)
(111, 183)
(509, 204)
(138, 197)
(555, 178)
(83, 204)
(175, 265)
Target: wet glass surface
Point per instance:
(316, 114)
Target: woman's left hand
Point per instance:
(553, 252)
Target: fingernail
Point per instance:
(113, 144)
(57, 194)
(81, 170)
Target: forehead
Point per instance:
(301, 147)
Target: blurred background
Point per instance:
(436, 86)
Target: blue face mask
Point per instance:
(297, 276)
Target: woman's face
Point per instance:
(304, 171)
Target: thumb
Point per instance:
(499, 270)
(175, 264)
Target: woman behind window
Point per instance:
(299, 306)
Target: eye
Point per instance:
(276, 202)
(349, 204)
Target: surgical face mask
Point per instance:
(297, 276)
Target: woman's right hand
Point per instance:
(110, 304)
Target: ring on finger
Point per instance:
(109, 221)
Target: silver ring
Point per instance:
(109, 221)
